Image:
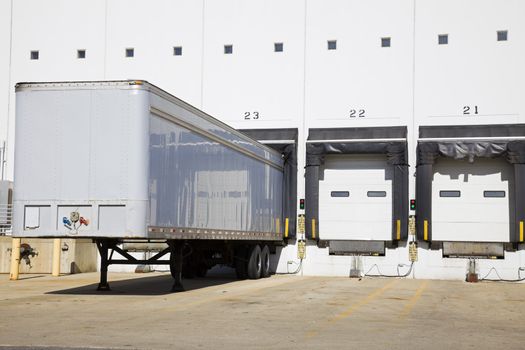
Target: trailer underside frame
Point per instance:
(249, 258)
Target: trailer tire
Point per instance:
(254, 263)
(265, 262)
(240, 263)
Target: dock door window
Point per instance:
(339, 194)
(376, 194)
(494, 194)
(454, 194)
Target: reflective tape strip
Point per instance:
(521, 231)
(286, 223)
(425, 230)
(398, 229)
(313, 228)
(277, 225)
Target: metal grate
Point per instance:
(6, 215)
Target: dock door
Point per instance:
(357, 188)
(470, 187)
(355, 198)
(472, 202)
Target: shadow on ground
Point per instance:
(152, 285)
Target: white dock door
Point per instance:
(470, 201)
(355, 198)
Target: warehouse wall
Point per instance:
(5, 44)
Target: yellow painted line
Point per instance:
(348, 312)
(425, 230)
(398, 229)
(410, 304)
(313, 228)
(521, 231)
(286, 227)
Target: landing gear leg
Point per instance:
(176, 264)
(103, 248)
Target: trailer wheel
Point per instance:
(240, 263)
(265, 260)
(254, 263)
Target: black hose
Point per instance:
(367, 274)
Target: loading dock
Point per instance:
(357, 188)
(285, 142)
(470, 186)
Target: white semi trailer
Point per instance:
(124, 161)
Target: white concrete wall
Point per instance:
(414, 82)
(5, 49)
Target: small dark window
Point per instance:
(376, 194)
(450, 194)
(130, 52)
(35, 55)
(502, 35)
(494, 194)
(228, 49)
(332, 44)
(278, 47)
(443, 39)
(339, 194)
(385, 42)
(177, 51)
(81, 54)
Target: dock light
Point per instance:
(301, 204)
(412, 204)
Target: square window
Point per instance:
(385, 42)
(228, 49)
(332, 44)
(81, 54)
(443, 39)
(278, 47)
(130, 52)
(35, 55)
(502, 35)
(177, 51)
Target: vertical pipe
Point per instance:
(56, 258)
(15, 259)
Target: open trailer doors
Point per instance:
(357, 188)
(470, 188)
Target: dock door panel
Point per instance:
(472, 202)
(355, 198)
